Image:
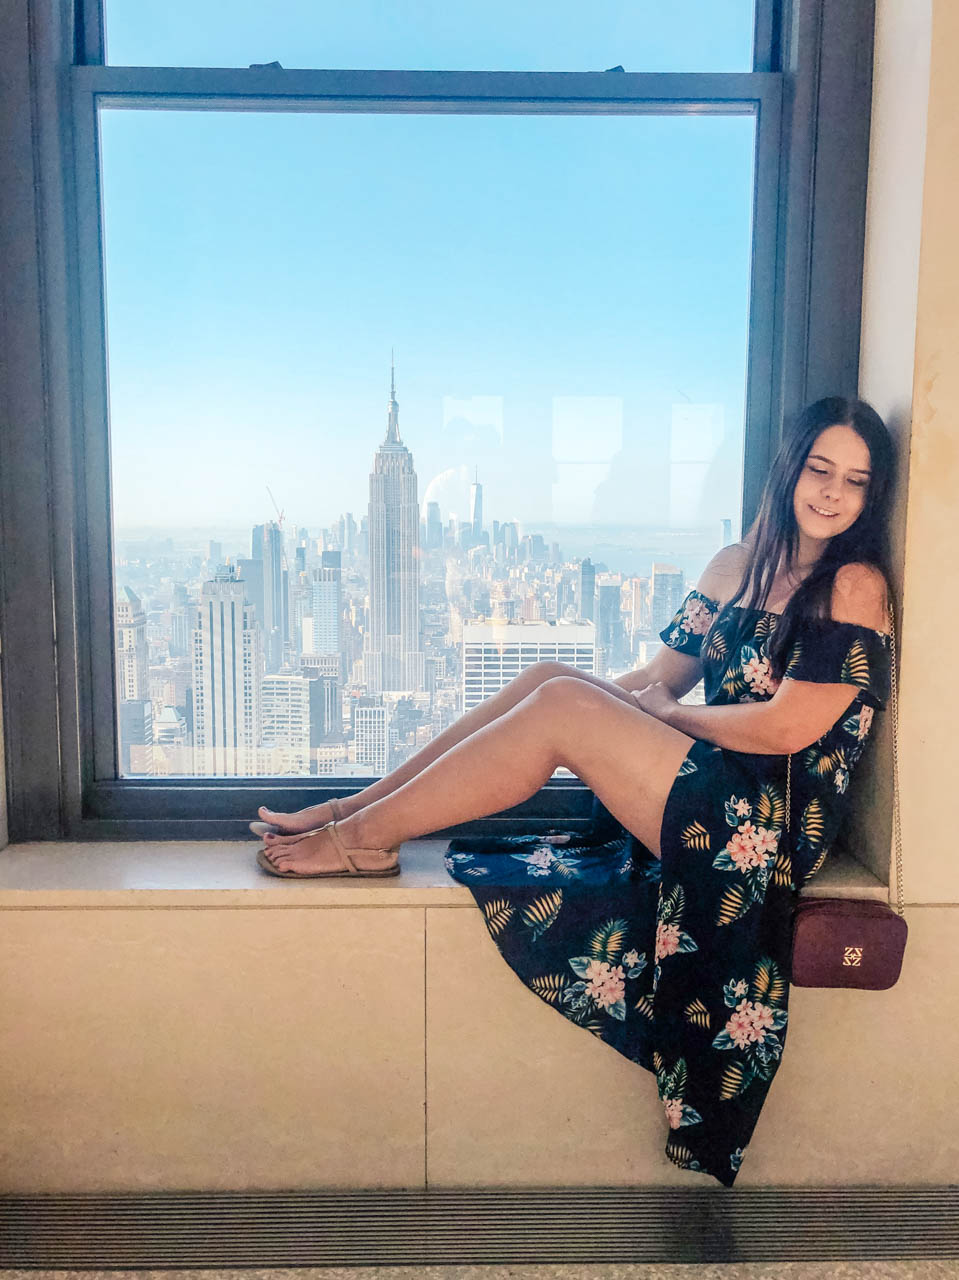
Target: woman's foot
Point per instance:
(325, 853)
(309, 819)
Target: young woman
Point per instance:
(671, 940)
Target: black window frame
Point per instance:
(810, 90)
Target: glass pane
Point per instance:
(318, 568)
(433, 35)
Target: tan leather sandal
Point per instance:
(261, 829)
(383, 862)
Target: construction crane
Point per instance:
(276, 505)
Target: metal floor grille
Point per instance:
(561, 1225)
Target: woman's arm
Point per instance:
(800, 711)
(798, 715)
(677, 672)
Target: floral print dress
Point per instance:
(682, 963)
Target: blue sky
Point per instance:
(542, 279)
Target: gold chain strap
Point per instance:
(896, 818)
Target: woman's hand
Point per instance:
(657, 700)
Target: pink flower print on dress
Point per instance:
(697, 618)
(667, 940)
(674, 1111)
(766, 840)
(605, 984)
(744, 855)
(865, 721)
(749, 1023)
(762, 1016)
(758, 675)
(750, 846)
(739, 1028)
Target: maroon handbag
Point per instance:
(853, 942)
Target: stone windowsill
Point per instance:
(224, 873)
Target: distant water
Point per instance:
(633, 549)
(622, 548)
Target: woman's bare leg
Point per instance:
(472, 721)
(628, 758)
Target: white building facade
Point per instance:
(494, 652)
(227, 670)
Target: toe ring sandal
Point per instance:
(262, 829)
(386, 862)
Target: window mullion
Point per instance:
(449, 91)
(89, 40)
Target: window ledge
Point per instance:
(224, 873)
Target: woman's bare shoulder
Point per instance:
(860, 595)
(722, 576)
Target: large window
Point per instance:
(361, 390)
(558, 453)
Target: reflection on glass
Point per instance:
(430, 35)
(325, 553)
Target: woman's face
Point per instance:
(831, 490)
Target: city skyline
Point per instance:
(346, 652)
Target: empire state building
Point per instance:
(393, 658)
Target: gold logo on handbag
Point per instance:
(852, 955)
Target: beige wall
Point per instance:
(260, 1048)
(910, 372)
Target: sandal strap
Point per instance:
(341, 849)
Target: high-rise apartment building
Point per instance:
(268, 548)
(667, 594)
(285, 724)
(495, 652)
(325, 674)
(132, 650)
(134, 710)
(587, 590)
(371, 735)
(392, 655)
(610, 632)
(135, 724)
(227, 670)
(327, 590)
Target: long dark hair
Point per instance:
(776, 534)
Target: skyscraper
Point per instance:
(476, 509)
(134, 713)
(587, 591)
(610, 633)
(132, 654)
(268, 547)
(285, 723)
(434, 526)
(667, 594)
(327, 604)
(393, 658)
(495, 652)
(371, 723)
(227, 669)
